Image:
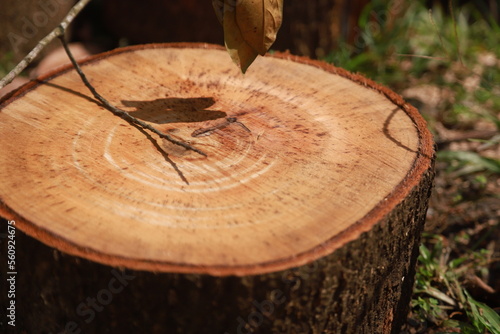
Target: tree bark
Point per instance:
(309, 223)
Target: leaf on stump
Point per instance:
(250, 27)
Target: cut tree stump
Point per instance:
(309, 223)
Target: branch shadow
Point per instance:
(163, 153)
(144, 132)
(387, 132)
(388, 135)
(174, 110)
(68, 90)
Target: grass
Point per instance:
(439, 288)
(446, 61)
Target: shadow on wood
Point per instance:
(174, 110)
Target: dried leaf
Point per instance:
(240, 51)
(250, 27)
(273, 16)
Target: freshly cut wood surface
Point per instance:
(329, 154)
(318, 208)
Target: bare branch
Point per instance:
(73, 12)
(59, 32)
(119, 112)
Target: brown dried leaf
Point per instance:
(250, 27)
(273, 16)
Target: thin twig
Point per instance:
(207, 131)
(44, 42)
(119, 112)
(420, 56)
(59, 33)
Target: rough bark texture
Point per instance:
(331, 269)
(364, 287)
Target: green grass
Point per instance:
(439, 288)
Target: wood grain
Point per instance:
(329, 154)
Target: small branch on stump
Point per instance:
(116, 111)
(207, 131)
(59, 33)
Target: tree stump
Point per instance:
(307, 223)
